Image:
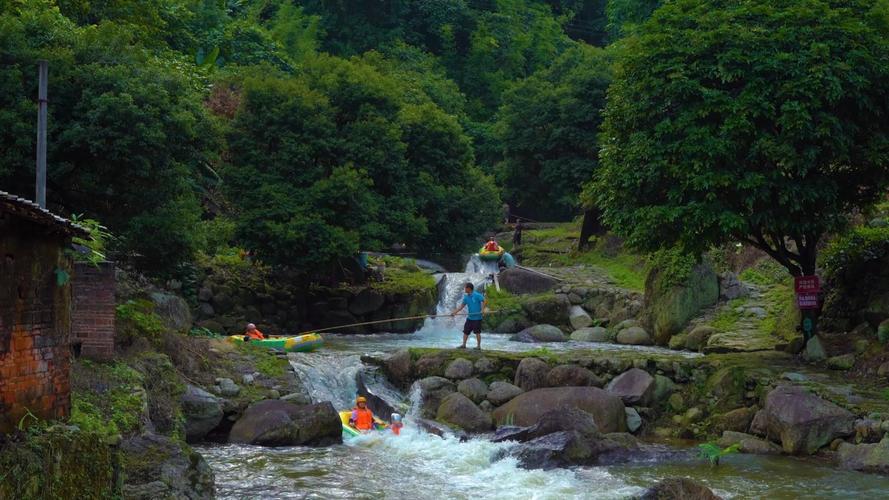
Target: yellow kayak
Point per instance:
(299, 343)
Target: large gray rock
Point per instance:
(539, 333)
(592, 334)
(432, 391)
(227, 387)
(157, 467)
(173, 310)
(547, 309)
(669, 305)
(866, 457)
(558, 420)
(748, 444)
(663, 388)
(679, 489)
(526, 409)
(803, 422)
(501, 392)
(474, 389)
(634, 420)
(366, 302)
(398, 367)
(485, 365)
(279, 423)
(633, 387)
(202, 412)
(521, 281)
(697, 338)
(573, 376)
(579, 318)
(458, 410)
(814, 350)
(633, 336)
(459, 369)
(730, 287)
(531, 374)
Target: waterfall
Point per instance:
(335, 377)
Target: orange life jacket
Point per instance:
(492, 246)
(363, 419)
(255, 335)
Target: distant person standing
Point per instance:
(506, 213)
(517, 233)
(476, 303)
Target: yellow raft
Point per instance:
(299, 343)
(491, 255)
(349, 431)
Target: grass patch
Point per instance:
(107, 399)
(135, 319)
(727, 319)
(765, 272)
(401, 276)
(557, 246)
(503, 302)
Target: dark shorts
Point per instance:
(472, 325)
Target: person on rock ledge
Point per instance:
(252, 333)
(476, 303)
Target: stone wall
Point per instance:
(92, 319)
(35, 303)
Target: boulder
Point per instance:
(634, 421)
(531, 374)
(814, 350)
(865, 457)
(627, 323)
(592, 334)
(842, 362)
(730, 287)
(737, 420)
(633, 336)
(558, 420)
(337, 318)
(578, 317)
(484, 365)
(366, 301)
(559, 449)
(459, 369)
(571, 376)
(521, 281)
(458, 410)
(803, 422)
(539, 333)
(279, 423)
(501, 392)
(547, 309)
(227, 387)
(527, 408)
(173, 310)
(669, 306)
(474, 389)
(512, 325)
(398, 367)
(633, 387)
(677, 342)
(432, 391)
(439, 429)
(759, 425)
(679, 489)
(663, 388)
(748, 444)
(156, 466)
(697, 338)
(202, 412)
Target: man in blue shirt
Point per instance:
(476, 303)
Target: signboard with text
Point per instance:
(807, 289)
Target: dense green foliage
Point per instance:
(758, 121)
(547, 128)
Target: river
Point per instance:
(416, 465)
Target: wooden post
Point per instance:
(43, 75)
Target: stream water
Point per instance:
(416, 465)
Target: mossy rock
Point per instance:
(669, 306)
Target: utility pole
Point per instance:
(41, 132)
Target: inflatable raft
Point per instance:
(490, 255)
(300, 343)
(349, 431)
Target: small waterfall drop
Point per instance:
(450, 290)
(335, 377)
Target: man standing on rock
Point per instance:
(476, 303)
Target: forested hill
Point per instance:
(306, 130)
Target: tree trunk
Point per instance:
(591, 226)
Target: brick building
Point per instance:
(92, 320)
(35, 311)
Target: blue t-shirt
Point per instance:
(474, 303)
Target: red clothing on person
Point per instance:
(492, 246)
(362, 419)
(255, 334)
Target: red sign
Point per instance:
(807, 284)
(807, 300)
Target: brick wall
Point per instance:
(34, 323)
(92, 320)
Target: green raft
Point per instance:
(301, 343)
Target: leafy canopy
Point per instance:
(759, 121)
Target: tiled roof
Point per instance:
(27, 209)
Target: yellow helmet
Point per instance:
(361, 399)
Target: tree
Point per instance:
(758, 121)
(625, 15)
(548, 130)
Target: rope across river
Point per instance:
(376, 322)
